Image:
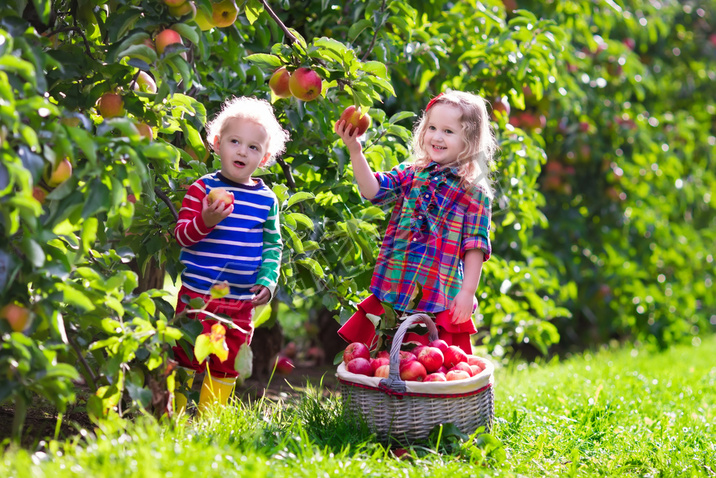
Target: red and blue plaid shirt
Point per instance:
(433, 223)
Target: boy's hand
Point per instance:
(461, 307)
(214, 213)
(349, 134)
(261, 295)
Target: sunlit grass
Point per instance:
(612, 413)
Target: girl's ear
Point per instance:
(217, 141)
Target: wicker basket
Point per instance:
(408, 411)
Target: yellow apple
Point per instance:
(224, 13)
(186, 8)
(110, 105)
(221, 194)
(145, 131)
(19, 317)
(145, 83)
(279, 82)
(61, 173)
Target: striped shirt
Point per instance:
(243, 249)
(433, 223)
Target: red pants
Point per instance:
(358, 328)
(240, 311)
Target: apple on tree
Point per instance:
(185, 8)
(60, 174)
(279, 82)
(221, 194)
(145, 83)
(17, 316)
(165, 38)
(305, 84)
(110, 105)
(224, 13)
(204, 20)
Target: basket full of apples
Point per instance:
(405, 394)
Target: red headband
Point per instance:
(432, 102)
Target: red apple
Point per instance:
(305, 84)
(476, 369)
(224, 13)
(435, 377)
(110, 105)
(442, 369)
(284, 365)
(378, 362)
(416, 350)
(475, 360)
(40, 194)
(145, 131)
(406, 356)
(279, 82)
(441, 344)
(431, 357)
(360, 366)
(454, 355)
(412, 371)
(464, 366)
(61, 173)
(456, 375)
(383, 354)
(17, 316)
(221, 194)
(357, 118)
(382, 371)
(356, 350)
(165, 38)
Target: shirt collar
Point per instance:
(434, 169)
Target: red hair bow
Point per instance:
(432, 102)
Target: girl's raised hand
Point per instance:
(214, 213)
(349, 134)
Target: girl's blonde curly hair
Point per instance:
(475, 161)
(251, 109)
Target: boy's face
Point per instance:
(242, 146)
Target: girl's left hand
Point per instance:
(261, 295)
(461, 307)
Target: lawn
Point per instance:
(625, 412)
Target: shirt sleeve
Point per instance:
(393, 184)
(190, 227)
(271, 254)
(476, 227)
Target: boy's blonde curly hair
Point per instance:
(251, 109)
(475, 162)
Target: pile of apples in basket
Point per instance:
(435, 362)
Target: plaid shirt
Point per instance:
(432, 225)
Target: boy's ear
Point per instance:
(264, 160)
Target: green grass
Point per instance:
(613, 413)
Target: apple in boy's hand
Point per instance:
(356, 350)
(357, 118)
(221, 194)
(360, 366)
(454, 355)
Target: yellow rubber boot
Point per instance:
(215, 391)
(180, 398)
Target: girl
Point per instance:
(438, 234)
(238, 241)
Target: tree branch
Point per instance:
(90, 372)
(287, 173)
(166, 200)
(375, 36)
(281, 25)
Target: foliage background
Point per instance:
(604, 213)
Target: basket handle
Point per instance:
(394, 382)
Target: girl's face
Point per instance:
(242, 146)
(443, 139)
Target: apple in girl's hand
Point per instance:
(221, 194)
(464, 366)
(360, 366)
(378, 362)
(456, 375)
(406, 356)
(356, 350)
(454, 355)
(413, 371)
(431, 357)
(435, 377)
(383, 371)
(439, 343)
(357, 118)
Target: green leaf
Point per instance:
(74, 297)
(202, 347)
(33, 252)
(312, 265)
(252, 10)
(357, 28)
(302, 219)
(244, 361)
(265, 61)
(187, 31)
(299, 197)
